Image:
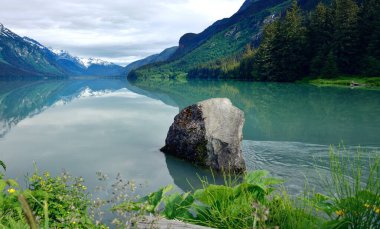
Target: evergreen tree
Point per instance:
(337, 39)
(369, 27)
(371, 66)
(321, 28)
(320, 32)
(263, 62)
(281, 55)
(346, 35)
(289, 57)
(370, 37)
(245, 69)
(330, 68)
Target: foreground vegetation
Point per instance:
(48, 202)
(351, 199)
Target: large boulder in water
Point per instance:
(208, 134)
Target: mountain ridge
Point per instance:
(26, 57)
(280, 41)
(155, 58)
(191, 41)
(224, 39)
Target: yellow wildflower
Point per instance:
(11, 190)
(339, 212)
(377, 210)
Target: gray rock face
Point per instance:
(208, 134)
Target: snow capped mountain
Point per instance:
(5, 32)
(23, 56)
(64, 55)
(84, 62)
(87, 62)
(58, 52)
(85, 66)
(33, 42)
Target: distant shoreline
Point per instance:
(347, 81)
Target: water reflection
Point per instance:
(22, 99)
(287, 112)
(84, 127)
(109, 125)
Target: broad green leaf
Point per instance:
(155, 198)
(177, 206)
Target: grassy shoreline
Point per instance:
(346, 81)
(358, 82)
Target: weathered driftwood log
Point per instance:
(162, 223)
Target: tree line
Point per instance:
(337, 39)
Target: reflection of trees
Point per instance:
(22, 99)
(288, 112)
(274, 112)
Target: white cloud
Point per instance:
(118, 30)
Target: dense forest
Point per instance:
(337, 39)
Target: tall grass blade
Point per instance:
(46, 214)
(28, 212)
(3, 165)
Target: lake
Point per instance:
(87, 125)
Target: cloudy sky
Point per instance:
(119, 31)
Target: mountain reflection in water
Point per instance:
(109, 125)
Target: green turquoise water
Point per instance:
(89, 125)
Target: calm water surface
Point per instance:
(89, 125)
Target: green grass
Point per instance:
(353, 196)
(346, 81)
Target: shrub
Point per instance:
(54, 202)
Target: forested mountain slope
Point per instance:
(279, 40)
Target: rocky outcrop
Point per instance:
(208, 134)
